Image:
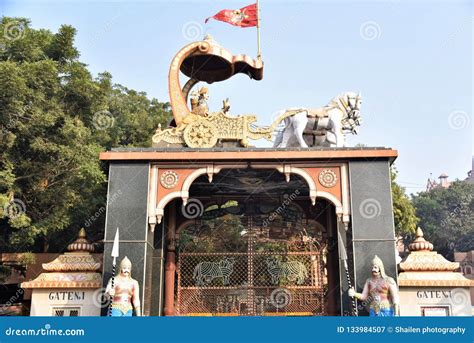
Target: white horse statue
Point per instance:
(326, 126)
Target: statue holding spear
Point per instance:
(380, 291)
(123, 290)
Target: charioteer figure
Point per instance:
(199, 102)
(380, 291)
(126, 293)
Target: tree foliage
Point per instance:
(55, 118)
(447, 217)
(403, 211)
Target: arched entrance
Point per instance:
(257, 247)
(153, 184)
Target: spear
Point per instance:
(115, 254)
(343, 257)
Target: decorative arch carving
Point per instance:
(288, 170)
(335, 201)
(160, 207)
(342, 208)
(210, 170)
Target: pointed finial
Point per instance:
(82, 233)
(420, 244)
(81, 244)
(419, 232)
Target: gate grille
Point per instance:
(261, 281)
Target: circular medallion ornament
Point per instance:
(200, 134)
(169, 179)
(327, 178)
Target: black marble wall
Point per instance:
(127, 210)
(371, 218)
(371, 231)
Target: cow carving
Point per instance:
(205, 272)
(293, 271)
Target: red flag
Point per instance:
(245, 17)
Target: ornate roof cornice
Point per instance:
(424, 267)
(422, 258)
(74, 269)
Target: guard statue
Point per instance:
(380, 291)
(125, 294)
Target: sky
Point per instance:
(411, 61)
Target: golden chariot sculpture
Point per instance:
(197, 127)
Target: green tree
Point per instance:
(403, 211)
(55, 118)
(447, 217)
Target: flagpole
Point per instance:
(259, 52)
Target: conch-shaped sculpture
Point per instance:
(197, 127)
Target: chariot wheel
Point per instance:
(200, 134)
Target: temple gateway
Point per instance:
(204, 224)
(215, 227)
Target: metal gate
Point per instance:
(259, 275)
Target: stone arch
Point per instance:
(288, 170)
(332, 199)
(210, 170)
(341, 210)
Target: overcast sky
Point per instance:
(411, 60)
